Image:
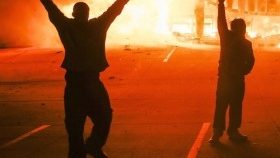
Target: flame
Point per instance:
(163, 21)
(136, 24)
(142, 22)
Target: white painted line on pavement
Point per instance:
(165, 60)
(197, 144)
(24, 136)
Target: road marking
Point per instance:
(24, 136)
(165, 60)
(197, 144)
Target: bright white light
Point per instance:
(252, 34)
(163, 11)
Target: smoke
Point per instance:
(15, 22)
(25, 23)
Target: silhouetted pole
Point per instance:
(199, 15)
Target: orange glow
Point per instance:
(159, 21)
(142, 22)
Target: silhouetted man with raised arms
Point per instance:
(236, 61)
(85, 94)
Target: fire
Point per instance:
(145, 22)
(168, 21)
(155, 22)
(152, 22)
(140, 22)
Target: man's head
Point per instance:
(81, 11)
(238, 27)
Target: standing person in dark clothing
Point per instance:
(236, 61)
(85, 94)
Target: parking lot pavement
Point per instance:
(162, 100)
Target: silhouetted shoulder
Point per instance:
(248, 43)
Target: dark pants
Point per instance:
(85, 95)
(230, 93)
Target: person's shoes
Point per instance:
(94, 150)
(97, 154)
(237, 137)
(214, 140)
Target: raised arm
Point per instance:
(55, 15)
(222, 22)
(112, 12)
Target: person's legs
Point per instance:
(222, 100)
(100, 113)
(75, 116)
(235, 108)
(235, 111)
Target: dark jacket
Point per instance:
(84, 43)
(236, 56)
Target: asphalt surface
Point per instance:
(161, 99)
